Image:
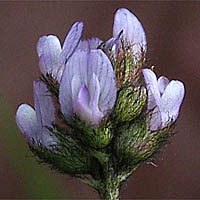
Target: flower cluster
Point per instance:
(98, 111)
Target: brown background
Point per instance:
(173, 34)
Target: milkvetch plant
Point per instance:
(98, 112)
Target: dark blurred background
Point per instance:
(173, 34)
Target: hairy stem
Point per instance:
(111, 189)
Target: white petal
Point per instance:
(40, 45)
(94, 42)
(162, 84)
(60, 73)
(133, 32)
(27, 122)
(87, 102)
(155, 120)
(49, 49)
(94, 91)
(171, 101)
(75, 86)
(154, 98)
(100, 65)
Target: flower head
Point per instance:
(101, 105)
(34, 123)
(88, 86)
(53, 57)
(164, 99)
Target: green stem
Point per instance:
(110, 195)
(109, 176)
(112, 183)
(111, 189)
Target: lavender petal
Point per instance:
(171, 101)
(83, 65)
(45, 112)
(87, 102)
(71, 42)
(162, 84)
(92, 43)
(76, 67)
(82, 104)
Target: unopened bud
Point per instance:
(129, 104)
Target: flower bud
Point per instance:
(133, 34)
(129, 104)
(135, 144)
(95, 136)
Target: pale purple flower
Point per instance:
(164, 99)
(53, 57)
(88, 86)
(34, 123)
(133, 34)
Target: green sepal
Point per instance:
(67, 157)
(132, 68)
(127, 68)
(135, 144)
(129, 104)
(97, 137)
